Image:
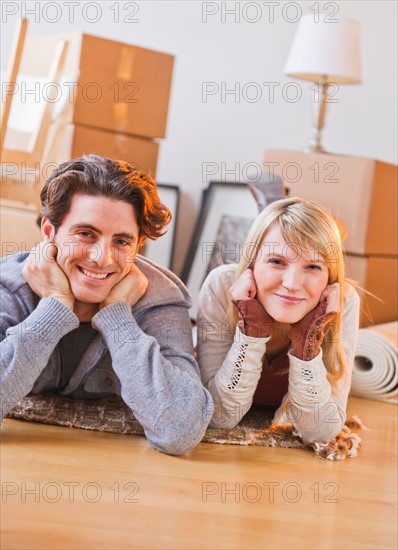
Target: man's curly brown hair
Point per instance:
(116, 179)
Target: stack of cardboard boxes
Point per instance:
(114, 98)
(362, 194)
(112, 101)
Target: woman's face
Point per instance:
(289, 281)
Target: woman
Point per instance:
(280, 328)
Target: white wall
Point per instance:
(248, 47)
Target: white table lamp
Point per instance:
(326, 52)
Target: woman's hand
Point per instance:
(245, 287)
(308, 333)
(254, 320)
(331, 296)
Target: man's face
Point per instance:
(97, 243)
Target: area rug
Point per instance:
(113, 415)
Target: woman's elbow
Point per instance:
(323, 433)
(223, 423)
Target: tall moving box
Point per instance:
(111, 85)
(362, 193)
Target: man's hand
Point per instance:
(44, 275)
(129, 289)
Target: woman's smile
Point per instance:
(289, 300)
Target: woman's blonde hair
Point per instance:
(307, 227)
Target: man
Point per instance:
(83, 316)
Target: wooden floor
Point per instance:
(65, 488)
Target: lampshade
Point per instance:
(325, 51)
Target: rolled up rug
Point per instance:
(375, 372)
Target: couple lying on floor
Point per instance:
(82, 315)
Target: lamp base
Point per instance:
(315, 148)
(319, 107)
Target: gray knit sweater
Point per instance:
(143, 353)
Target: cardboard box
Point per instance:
(378, 275)
(72, 141)
(112, 85)
(81, 140)
(361, 192)
(19, 229)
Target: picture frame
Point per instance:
(162, 250)
(227, 204)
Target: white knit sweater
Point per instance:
(231, 365)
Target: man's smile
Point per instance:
(94, 275)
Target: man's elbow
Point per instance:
(182, 427)
(179, 442)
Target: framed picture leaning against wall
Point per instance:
(161, 251)
(227, 212)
